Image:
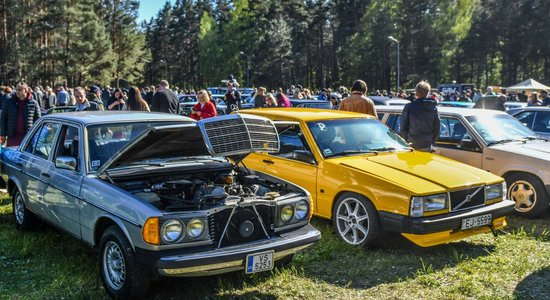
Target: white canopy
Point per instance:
(528, 85)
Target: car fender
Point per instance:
(104, 221)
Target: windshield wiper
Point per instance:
(383, 149)
(501, 142)
(532, 138)
(353, 152)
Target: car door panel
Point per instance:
(63, 199)
(456, 141)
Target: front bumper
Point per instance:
(228, 259)
(447, 222)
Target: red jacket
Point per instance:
(207, 111)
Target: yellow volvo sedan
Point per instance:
(368, 181)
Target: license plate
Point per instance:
(478, 221)
(259, 262)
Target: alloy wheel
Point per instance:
(352, 221)
(524, 194)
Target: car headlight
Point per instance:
(195, 228)
(495, 191)
(301, 211)
(420, 205)
(287, 212)
(171, 231)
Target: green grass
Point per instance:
(47, 264)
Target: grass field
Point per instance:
(47, 264)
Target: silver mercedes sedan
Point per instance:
(158, 194)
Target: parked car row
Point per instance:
(164, 195)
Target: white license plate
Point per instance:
(478, 221)
(259, 262)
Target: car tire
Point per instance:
(355, 220)
(122, 276)
(23, 218)
(529, 194)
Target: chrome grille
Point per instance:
(459, 199)
(239, 134)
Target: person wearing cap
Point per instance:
(95, 98)
(545, 98)
(232, 99)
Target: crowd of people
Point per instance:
(22, 105)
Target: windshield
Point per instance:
(106, 139)
(354, 136)
(500, 128)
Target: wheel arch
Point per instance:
(105, 222)
(340, 193)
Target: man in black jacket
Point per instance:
(19, 113)
(420, 120)
(165, 100)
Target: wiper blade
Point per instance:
(383, 149)
(532, 138)
(353, 152)
(501, 142)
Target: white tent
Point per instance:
(529, 85)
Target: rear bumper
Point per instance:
(447, 222)
(228, 259)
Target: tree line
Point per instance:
(314, 43)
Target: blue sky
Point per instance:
(150, 8)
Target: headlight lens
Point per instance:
(420, 205)
(195, 228)
(301, 210)
(287, 212)
(171, 231)
(495, 191)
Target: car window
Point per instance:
(542, 122)
(452, 131)
(526, 118)
(394, 122)
(43, 140)
(292, 141)
(69, 143)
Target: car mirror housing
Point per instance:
(303, 155)
(469, 144)
(66, 162)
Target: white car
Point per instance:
(497, 142)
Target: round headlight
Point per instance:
(287, 213)
(171, 231)
(195, 228)
(302, 209)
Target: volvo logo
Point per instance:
(468, 198)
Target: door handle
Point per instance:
(45, 175)
(267, 161)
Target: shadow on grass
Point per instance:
(534, 286)
(394, 260)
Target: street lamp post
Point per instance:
(247, 68)
(391, 38)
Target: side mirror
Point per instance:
(469, 144)
(303, 155)
(66, 162)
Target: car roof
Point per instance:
(93, 117)
(446, 110)
(305, 114)
(532, 108)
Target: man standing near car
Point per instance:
(357, 102)
(232, 99)
(545, 98)
(164, 99)
(19, 113)
(420, 120)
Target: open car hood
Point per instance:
(228, 135)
